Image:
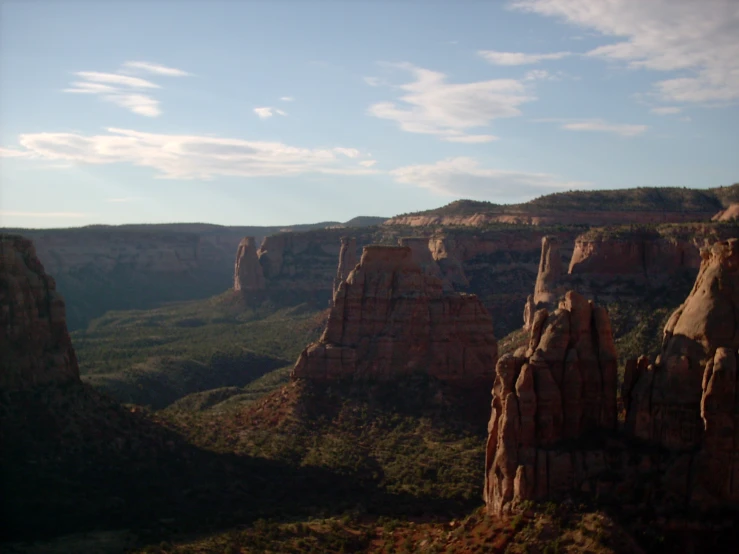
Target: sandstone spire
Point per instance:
(391, 318)
(560, 389)
(35, 347)
(347, 261)
(248, 274)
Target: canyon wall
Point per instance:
(248, 274)
(543, 218)
(35, 347)
(390, 318)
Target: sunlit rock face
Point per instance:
(557, 390)
(390, 318)
(248, 275)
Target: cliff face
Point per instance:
(390, 318)
(687, 400)
(732, 212)
(551, 217)
(248, 274)
(35, 347)
(559, 388)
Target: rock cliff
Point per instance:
(390, 318)
(35, 347)
(686, 401)
(551, 394)
(732, 212)
(248, 274)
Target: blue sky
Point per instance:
(270, 113)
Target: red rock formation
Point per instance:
(732, 212)
(35, 347)
(390, 318)
(248, 274)
(347, 261)
(560, 389)
(549, 280)
(687, 400)
(550, 217)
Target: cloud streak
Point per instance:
(519, 58)
(699, 39)
(598, 125)
(463, 177)
(124, 90)
(432, 106)
(191, 156)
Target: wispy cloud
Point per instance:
(463, 177)
(191, 156)
(268, 111)
(368, 163)
(124, 90)
(666, 110)
(287, 99)
(432, 106)
(699, 39)
(625, 130)
(155, 68)
(14, 153)
(4, 213)
(519, 58)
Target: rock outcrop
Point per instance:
(347, 261)
(552, 393)
(549, 280)
(35, 348)
(686, 401)
(391, 318)
(732, 212)
(248, 275)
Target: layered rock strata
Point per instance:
(550, 394)
(35, 347)
(390, 317)
(549, 286)
(248, 275)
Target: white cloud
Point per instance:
(698, 38)
(4, 213)
(622, 129)
(156, 69)
(348, 152)
(666, 110)
(263, 113)
(13, 153)
(116, 79)
(268, 111)
(463, 177)
(540, 75)
(368, 163)
(137, 103)
(519, 58)
(287, 99)
(124, 90)
(432, 106)
(190, 156)
(374, 81)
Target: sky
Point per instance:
(272, 113)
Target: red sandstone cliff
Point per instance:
(347, 261)
(391, 318)
(248, 274)
(35, 347)
(559, 388)
(687, 400)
